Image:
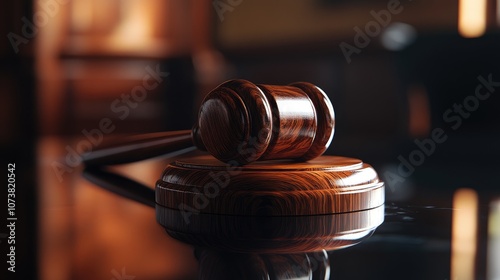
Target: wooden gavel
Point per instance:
(240, 122)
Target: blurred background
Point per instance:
(74, 72)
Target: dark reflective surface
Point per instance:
(87, 231)
(454, 236)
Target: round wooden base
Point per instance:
(325, 185)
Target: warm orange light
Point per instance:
(136, 27)
(471, 18)
(493, 258)
(81, 16)
(464, 234)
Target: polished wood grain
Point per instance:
(325, 117)
(294, 122)
(325, 185)
(235, 122)
(240, 122)
(271, 234)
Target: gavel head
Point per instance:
(240, 122)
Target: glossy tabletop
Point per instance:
(105, 225)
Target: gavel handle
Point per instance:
(139, 147)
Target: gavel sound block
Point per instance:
(240, 122)
(325, 185)
(249, 233)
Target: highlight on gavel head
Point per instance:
(241, 122)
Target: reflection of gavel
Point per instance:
(240, 122)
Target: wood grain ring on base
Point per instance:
(325, 185)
